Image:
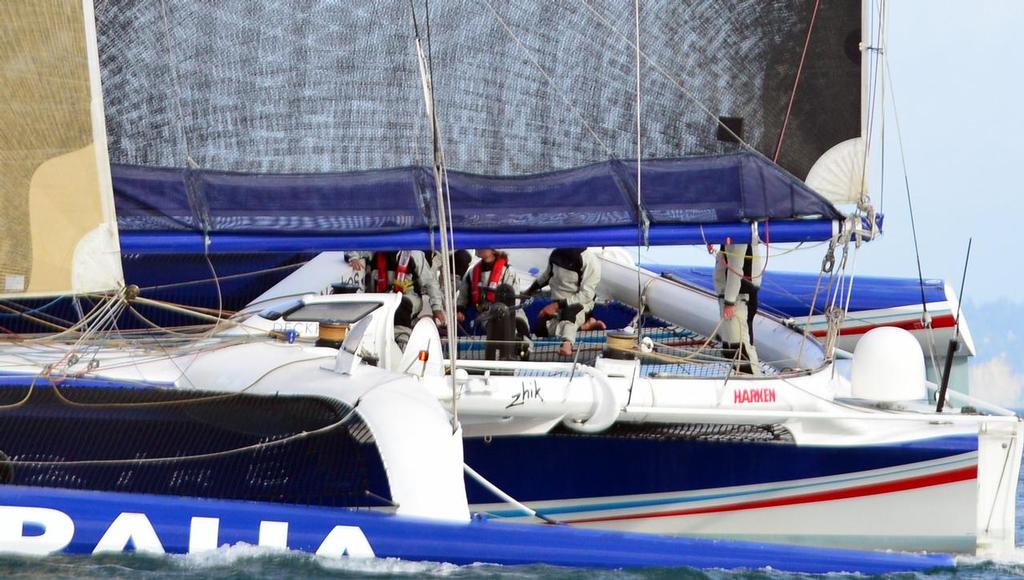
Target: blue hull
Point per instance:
(166, 524)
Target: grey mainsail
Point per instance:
(521, 87)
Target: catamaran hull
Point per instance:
(41, 521)
(920, 496)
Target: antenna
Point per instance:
(954, 341)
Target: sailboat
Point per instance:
(181, 440)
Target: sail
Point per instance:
(839, 174)
(56, 202)
(695, 190)
(241, 95)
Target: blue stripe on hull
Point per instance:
(853, 479)
(595, 466)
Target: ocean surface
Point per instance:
(245, 562)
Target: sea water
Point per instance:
(245, 562)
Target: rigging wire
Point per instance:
(641, 217)
(193, 400)
(826, 268)
(443, 194)
(926, 319)
(796, 82)
(838, 283)
(668, 76)
(875, 53)
(883, 10)
(195, 202)
(157, 287)
(9, 311)
(551, 81)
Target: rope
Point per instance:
(189, 401)
(497, 491)
(25, 399)
(95, 313)
(195, 457)
(23, 313)
(36, 310)
(219, 278)
(826, 267)
(796, 82)
(700, 349)
(211, 455)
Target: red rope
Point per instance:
(796, 82)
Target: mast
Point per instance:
(443, 208)
(99, 122)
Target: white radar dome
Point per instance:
(888, 365)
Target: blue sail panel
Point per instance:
(719, 189)
(156, 199)
(135, 242)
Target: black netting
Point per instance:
(677, 353)
(200, 438)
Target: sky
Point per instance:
(957, 91)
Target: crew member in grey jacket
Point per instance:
(737, 279)
(408, 273)
(573, 274)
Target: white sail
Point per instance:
(56, 200)
(839, 173)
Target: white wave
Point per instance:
(1013, 558)
(228, 555)
(387, 566)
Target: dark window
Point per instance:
(341, 312)
(727, 124)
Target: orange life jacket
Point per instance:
(401, 271)
(497, 270)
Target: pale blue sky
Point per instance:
(957, 70)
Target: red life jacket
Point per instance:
(497, 270)
(401, 271)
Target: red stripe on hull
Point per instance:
(964, 474)
(944, 321)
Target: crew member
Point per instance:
(461, 259)
(573, 274)
(737, 279)
(491, 271)
(408, 273)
